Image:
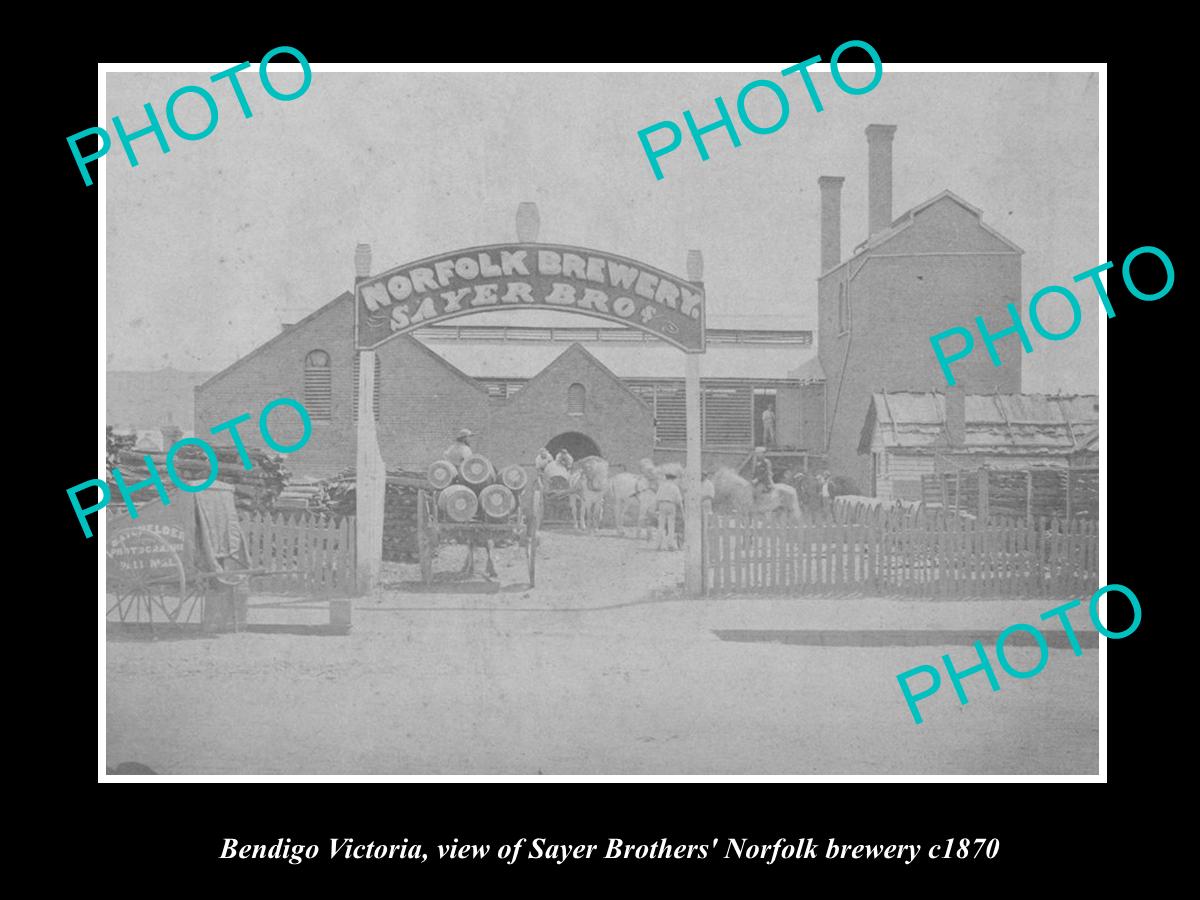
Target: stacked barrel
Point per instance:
(475, 489)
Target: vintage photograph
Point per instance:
(462, 444)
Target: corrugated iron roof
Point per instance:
(1029, 422)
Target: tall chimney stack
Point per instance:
(362, 261)
(831, 220)
(528, 222)
(879, 177)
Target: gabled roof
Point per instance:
(344, 297)
(906, 219)
(650, 359)
(995, 423)
(564, 358)
(809, 371)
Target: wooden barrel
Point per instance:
(458, 503)
(498, 501)
(477, 471)
(441, 474)
(515, 477)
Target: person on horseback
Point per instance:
(760, 471)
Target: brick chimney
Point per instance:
(956, 416)
(362, 261)
(528, 222)
(831, 220)
(879, 177)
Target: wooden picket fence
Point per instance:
(924, 555)
(310, 554)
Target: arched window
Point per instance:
(843, 310)
(375, 397)
(576, 399)
(318, 385)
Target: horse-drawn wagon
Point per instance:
(476, 506)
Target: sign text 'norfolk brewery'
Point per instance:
(530, 276)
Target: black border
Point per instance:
(178, 832)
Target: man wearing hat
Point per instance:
(760, 470)
(460, 450)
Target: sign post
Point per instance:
(693, 578)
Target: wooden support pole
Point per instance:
(370, 480)
(693, 560)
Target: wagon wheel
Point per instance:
(426, 537)
(144, 576)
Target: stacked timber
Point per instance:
(337, 498)
(256, 490)
(299, 494)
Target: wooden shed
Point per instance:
(910, 434)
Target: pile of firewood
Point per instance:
(255, 490)
(337, 497)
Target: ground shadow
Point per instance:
(899, 638)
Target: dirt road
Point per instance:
(602, 668)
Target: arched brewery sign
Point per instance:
(529, 276)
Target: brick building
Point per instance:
(619, 392)
(609, 390)
(935, 266)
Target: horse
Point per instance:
(780, 501)
(588, 481)
(734, 495)
(626, 489)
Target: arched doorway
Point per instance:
(577, 444)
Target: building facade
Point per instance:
(909, 434)
(612, 391)
(936, 266)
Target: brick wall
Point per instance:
(424, 401)
(619, 423)
(896, 303)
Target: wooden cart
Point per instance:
(521, 526)
(151, 569)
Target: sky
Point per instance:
(212, 246)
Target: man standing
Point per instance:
(670, 504)
(768, 426)
(460, 450)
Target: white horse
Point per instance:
(588, 481)
(734, 495)
(626, 489)
(782, 501)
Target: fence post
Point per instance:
(1069, 479)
